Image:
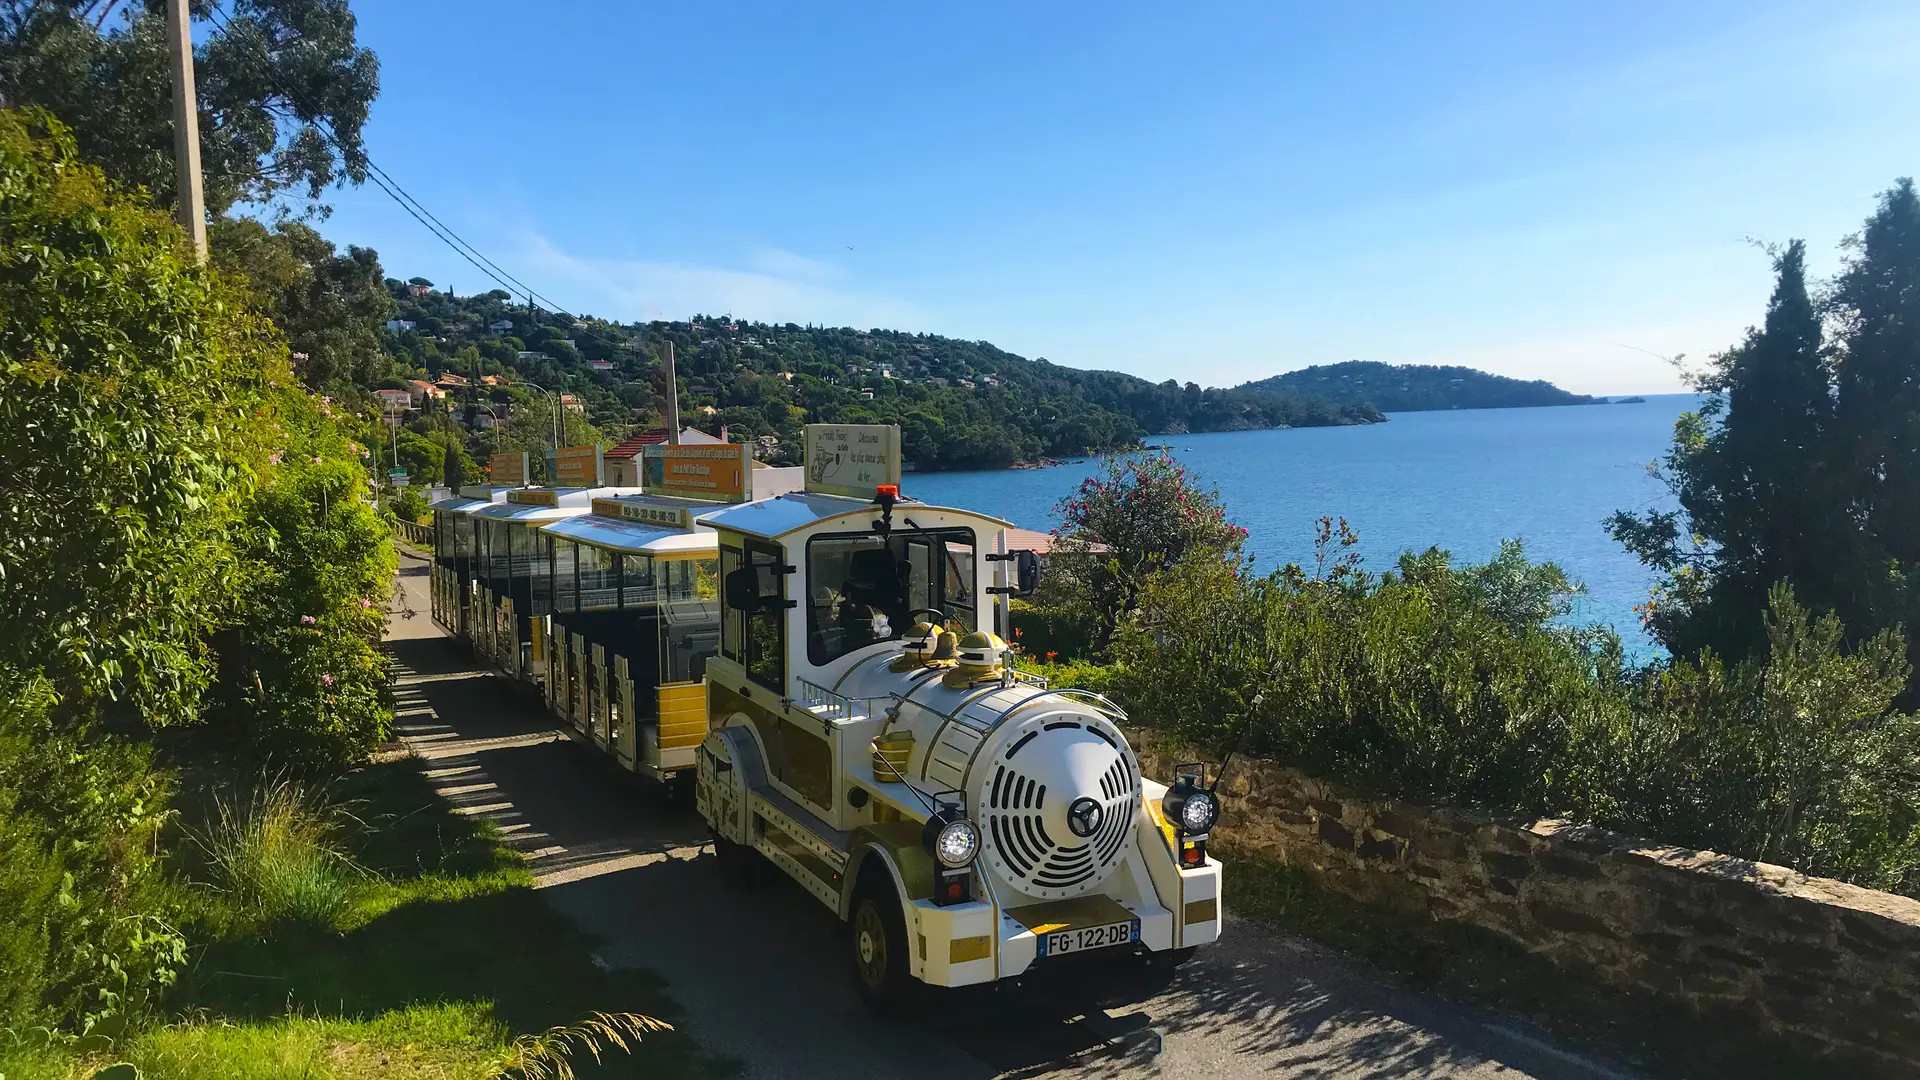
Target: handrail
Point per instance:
(831, 704)
(836, 706)
(1099, 701)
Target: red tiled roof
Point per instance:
(657, 437)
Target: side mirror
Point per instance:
(743, 590)
(1026, 572)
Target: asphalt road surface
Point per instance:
(764, 976)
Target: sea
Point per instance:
(1460, 480)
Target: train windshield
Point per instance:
(862, 589)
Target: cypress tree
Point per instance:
(1876, 312)
(1747, 469)
(453, 472)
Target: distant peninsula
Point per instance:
(1416, 387)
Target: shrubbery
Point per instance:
(183, 533)
(1451, 684)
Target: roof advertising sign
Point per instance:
(673, 517)
(716, 473)
(507, 470)
(852, 459)
(578, 466)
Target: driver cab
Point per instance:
(813, 584)
(818, 592)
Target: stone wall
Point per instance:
(1810, 959)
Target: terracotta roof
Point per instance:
(657, 437)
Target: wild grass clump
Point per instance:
(278, 857)
(549, 1054)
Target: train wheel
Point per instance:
(878, 943)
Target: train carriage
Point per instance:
(515, 588)
(873, 740)
(635, 617)
(451, 577)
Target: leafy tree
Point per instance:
(271, 83)
(422, 457)
(1141, 514)
(1749, 473)
(1803, 467)
(330, 306)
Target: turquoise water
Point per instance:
(1459, 480)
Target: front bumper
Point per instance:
(973, 943)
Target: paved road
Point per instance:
(763, 975)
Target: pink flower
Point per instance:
(326, 680)
(365, 603)
(316, 461)
(273, 459)
(307, 620)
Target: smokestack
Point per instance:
(673, 400)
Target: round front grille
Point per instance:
(1057, 799)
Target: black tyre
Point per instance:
(877, 943)
(740, 866)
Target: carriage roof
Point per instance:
(799, 511)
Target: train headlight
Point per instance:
(956, 842)
(1200, 812)
(1189, 808)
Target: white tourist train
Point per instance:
(829, 666)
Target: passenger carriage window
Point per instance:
(599, 578)
(565, 596)
(862, 590)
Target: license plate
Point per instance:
(1089, 937)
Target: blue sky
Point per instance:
(1538, 190)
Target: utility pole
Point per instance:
(191, 210)
(673, 398)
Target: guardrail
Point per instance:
(414, 533)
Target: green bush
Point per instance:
(127, 379)
(176, 519)
(1451, 685)
(88, 930)
(303, 680)
(410, 505)
(1104, 679)
(1053, 631)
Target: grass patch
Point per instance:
(1467, 964)
(400, 940)
(276, 857)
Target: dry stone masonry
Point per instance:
(1810, 959)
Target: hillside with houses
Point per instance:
(504, 371)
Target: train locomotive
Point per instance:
(872, 739)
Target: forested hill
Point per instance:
(1416, 387)
(960, 404)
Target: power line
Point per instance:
(414, 208)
